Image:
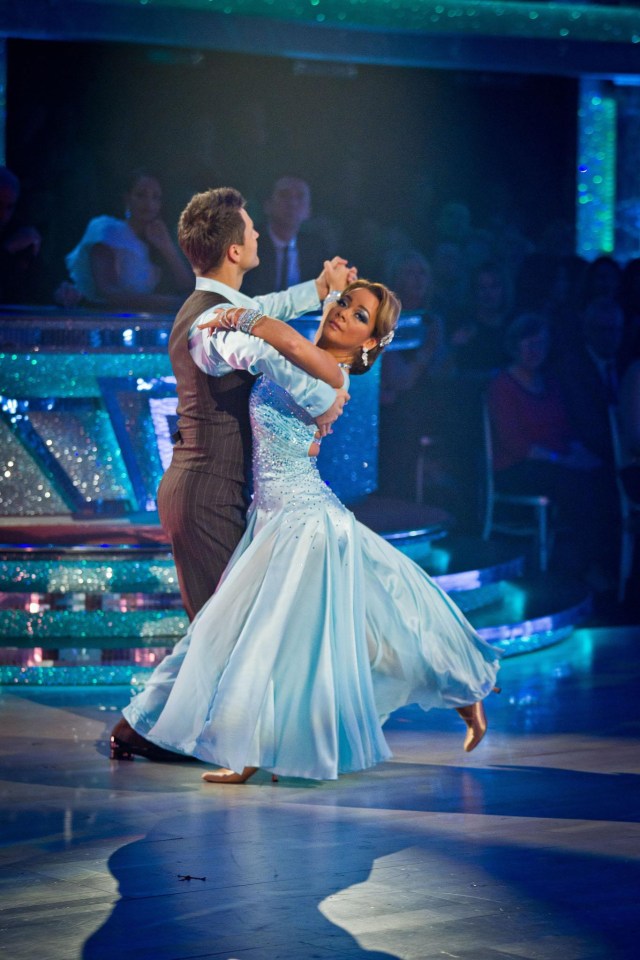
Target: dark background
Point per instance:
(387, 143)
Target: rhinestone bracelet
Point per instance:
(248, 320)
(332, 296)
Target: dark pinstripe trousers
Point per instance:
(204, 519)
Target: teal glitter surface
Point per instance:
(137, 422)
(85, 446)
(73, 374)
(63, 576)
(75, 676)
(142, 626)
(81, 439)
(25, 491)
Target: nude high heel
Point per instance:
(476, 721)
(229, 776)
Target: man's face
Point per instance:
(290, 203)
(249, 250)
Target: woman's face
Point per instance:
(144, 200)
(349, 323)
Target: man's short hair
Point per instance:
(209, 225)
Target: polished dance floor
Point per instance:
(526, 849)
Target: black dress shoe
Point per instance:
(126, 744)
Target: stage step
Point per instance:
(107, 610)
(457, 564)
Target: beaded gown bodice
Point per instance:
(283, 472)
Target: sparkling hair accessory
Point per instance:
(386, 340)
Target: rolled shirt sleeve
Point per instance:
(299, 299)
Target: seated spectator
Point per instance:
(409, 271)
(602, 279)
(590, 371)
(535, 450)
(454, 226)
(458, 250)
(450, 283)
(509, 245)
(409, 275)
(130, 263)
(629, 410)
(478, 342)
(19, 247)
(411, 396)
(630, 301)
(550, 285)
(288, 255)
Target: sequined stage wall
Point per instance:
(88, 407)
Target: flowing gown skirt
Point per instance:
(318, 630)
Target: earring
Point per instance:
(365, 357)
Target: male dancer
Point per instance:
(201, 499)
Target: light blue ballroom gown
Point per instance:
(317, 631)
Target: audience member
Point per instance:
(629, 411)
(509, 245)
(133, 262)
(590, 372)
(478, 343)
(450, 283)
(602, 279)
(458, 250)
(558, 238)
(287, 254)
(410, 276)
(19, 246)
(411, 396)
(454, 226)
(409, 271)
(535, 449)
(551, 285)
(630, 300)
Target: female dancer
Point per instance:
(318, 628)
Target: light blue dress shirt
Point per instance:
(229, 350)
